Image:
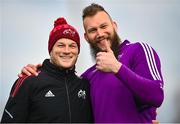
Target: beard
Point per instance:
(115, 42)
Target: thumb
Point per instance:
(108, 48)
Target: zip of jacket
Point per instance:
(68, 100)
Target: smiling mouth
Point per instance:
(101, 40)
(101, 43)
(66, 57)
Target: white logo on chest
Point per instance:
(49, 94)
(82, 94)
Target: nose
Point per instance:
(67, 49)
(99, 32)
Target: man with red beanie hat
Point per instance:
(57, 94)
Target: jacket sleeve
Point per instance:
(16, 109)
(144, 77)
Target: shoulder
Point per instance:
(142, 46)
(133, 45)
(147, 50)
(82, 79)
(139, 47)
(89, 72)
(22, 84)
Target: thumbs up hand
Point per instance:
(106, 61)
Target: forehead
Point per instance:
(65, 41)
(96, 20)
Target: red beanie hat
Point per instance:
(62, 30)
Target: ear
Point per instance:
(50, 55)
(85, 37)
(115, 26)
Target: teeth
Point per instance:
(101, 40)
(65, 57)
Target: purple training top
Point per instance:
(134, 93)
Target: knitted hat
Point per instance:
(62, 30)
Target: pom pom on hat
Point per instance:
(59, 21)
(62, 30)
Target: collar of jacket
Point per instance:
(50, 68)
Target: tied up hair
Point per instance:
(92, 9)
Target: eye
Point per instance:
(103, 26)
(73, 46)
(92, 30)
(60, 45)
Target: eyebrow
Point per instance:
(74, 43)
(105, 23)
(68, 44)
(91, 28)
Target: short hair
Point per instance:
(92, 9)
